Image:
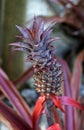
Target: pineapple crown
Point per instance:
(36, 41)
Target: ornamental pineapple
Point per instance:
(37, 42)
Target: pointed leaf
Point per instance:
(77, 10)
(52, 40)
(67, 77)
(77, 74)
(23, 31)
(22, 45)
(57, 102)
(55, 127)
(50, 19)
(69, 112)
(24, 77)
(13, 118)
(37, 111)
(69, 101)
(13, 95)
(3, 74)
(20, 80)
(81, 121)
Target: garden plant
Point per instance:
(57, 86)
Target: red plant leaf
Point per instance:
(57, 102)
(14, 119)
(69, 112)
(13, 95)
(20, 80)
(57, 19)
(3, 74)
(69, 101)
(24, 77)
(55, 127)
(37, 111)
(75, 8)
(76, 77)
(81, 121)
(67, 78)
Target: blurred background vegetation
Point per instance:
(19, 12)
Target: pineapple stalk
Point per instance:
(49, 112)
